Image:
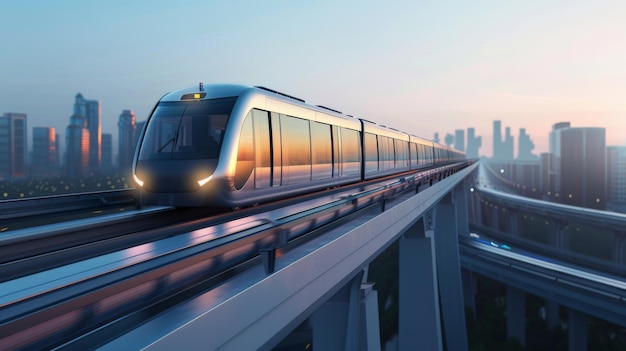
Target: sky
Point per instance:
(421, 67)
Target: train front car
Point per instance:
(179, 150)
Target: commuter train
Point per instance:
(232, 146)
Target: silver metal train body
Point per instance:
(231, 145)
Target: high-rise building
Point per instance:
(582, 177)
(616, 177)
(497, 141)
(127, 139)
(77, 145)
(507, 145)
(473, 143)
(554, 159)
(13, 145)
(90, 110)
(525, 147)
(502, 149)
(459, 139)
(45, 157)
(107, 151)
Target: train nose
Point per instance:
(174, 176)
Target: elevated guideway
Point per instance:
(323, 281)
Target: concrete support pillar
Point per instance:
(419, 321)
(336, 323)
(619, 248)
(449, 271)
(495, 223)
(460, 196)
(513, 223)
(369, 326)
(561, 230)
(476, 205)
(577, 331)
(516, 314)
(552, 314)
(468, 291)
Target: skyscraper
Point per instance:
(525, 147)
(497, 140)
(13, 145)
(473, 143)
(127, 139)
(90, 110)
(502, 149)
(77, 145)
(582, 175)
(45, 154)
(459, 139)
(616, 177)
(507, 145)
(107, 151)
(554, 158)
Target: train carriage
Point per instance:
(232, 145)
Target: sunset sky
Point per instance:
(422, 67)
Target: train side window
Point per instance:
(262, 152)
(296, 144)
(245, 153)
(351, 151)
(401, 153)
(413, 155)
(321, 152)
(370, 144)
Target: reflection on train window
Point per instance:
(263, 156)
(322, 151)
(296, 143)
(402, 159)
(350, 151)
(245, 153)
(186, 130)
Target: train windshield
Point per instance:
(186, 130)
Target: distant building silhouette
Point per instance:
(525, 147)
(502, 149)
(582, 178)
(45, 156)
(90, 110)
(107, 151)
(127, 139)
(436, 138)
(554, 158)
(77, 147)
(13, 145)
(616, 177)
(459, 139)
(473, 144)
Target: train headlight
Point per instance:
(201, 182)
(138, 181)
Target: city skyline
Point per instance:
(422, 68)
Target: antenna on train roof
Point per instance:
(201, 86)
(279, 93)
